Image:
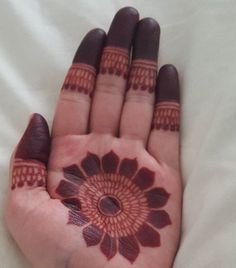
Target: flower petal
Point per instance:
(157, 197)
(128, 167)
(148, 237)
(77, 218)
(91, 164)
(144, 178)
(74, 174)
(92, 235)
(159, 218)
(108, 246)
(72, 203)
(66, 189)
(128, 247)
(110, 162)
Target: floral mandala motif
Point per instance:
(114, 202)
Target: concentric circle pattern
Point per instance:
(115, 203)
(134, 207)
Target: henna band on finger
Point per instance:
(143, 75)
(80, 78)
(115, 61)
(167, 116)
(30, 173)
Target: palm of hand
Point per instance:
(115, 203)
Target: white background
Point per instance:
(37, 41)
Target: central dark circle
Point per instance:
(109, 205)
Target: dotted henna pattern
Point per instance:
(115, 61)
(167, 116)
(115, 203)
(143, 75)
(31, 173)
(80, 78)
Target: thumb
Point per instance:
(30, 159)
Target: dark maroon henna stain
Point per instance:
(128, 167)
(166, 116)
(30, 173)
(80, 78)
(129, 248)
(148, 237)
(123, 28)
(143, 75)
(109, 205)
(146, 43)
(157, 197)
(144, 178)
(118, 203)
(115, 57)
(90, 49)
(167, 110)
(72, 203)
(108, 246)
(110, 162)
(167, 87)
(144, 65)
(115, 61)
(91, 164)
(92, 235)
(82, 74)
(31, 157)
(66, 189)
(74, 174)
(159, 218)
(35, 143)
(77, 218)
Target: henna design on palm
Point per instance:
(115, 199)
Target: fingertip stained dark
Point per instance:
(35, 143)
(167, 87)
(90, 49)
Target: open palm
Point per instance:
(104, 190)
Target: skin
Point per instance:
(121, 114)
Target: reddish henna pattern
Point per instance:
(143, 75)
(31, 173)
(115, 202)
(115, 61)
(167, 116)
(80, 78)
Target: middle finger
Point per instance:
(112, 79)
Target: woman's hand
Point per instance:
(107, 191)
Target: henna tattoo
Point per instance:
(35, 143)
(167, 116)
(31, 173)
(115, 61)
(143, 75)
(115, 199)
(80, 78)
